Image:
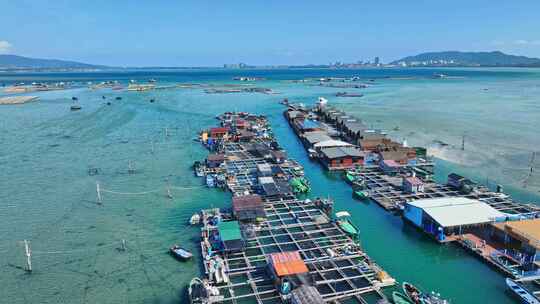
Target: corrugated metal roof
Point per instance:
(229, 231)
(337, 152)
(266, 180)
(457, 211)
(317, 136)
(332, 143)
(252, 201)
(288, 263)
(355, 126)
(413, 180)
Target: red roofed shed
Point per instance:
(218, 132)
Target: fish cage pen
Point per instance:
(387, 191)
(337, 266)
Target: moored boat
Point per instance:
(344, 223)
(312, 153)
(523, 294)
(210, 181)
(195, 219)
(75, 107)
(350, 177)
(361, 194)
(400, 298)
(414, 294)
(200, 292)
(180, 253)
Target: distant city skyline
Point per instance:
(204, 33)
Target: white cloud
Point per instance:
(5, 47)
(527, 42)
(520, 42)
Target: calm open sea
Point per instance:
(48, 197)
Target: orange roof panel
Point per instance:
(288, 263)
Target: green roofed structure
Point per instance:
(229, 231)
(231, 237)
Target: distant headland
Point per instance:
(431, 59)
(456, 58)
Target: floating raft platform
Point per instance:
(387, 191)
(238, 254)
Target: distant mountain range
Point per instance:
(20, 62)
(456, 58)
(438, 59)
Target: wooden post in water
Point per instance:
(463, 142)
(123, 248)
(98, 191)
(131, 168)
(169, 194)
(153, 147)
(28, 256)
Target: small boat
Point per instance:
(400, 298)
(439, 75)
(108, 103)
(103, 97)
(152, 100)
(201, 292)
(195, 219)
(210, 182)
(344, 223)
(350, 177)
(118, 98)
(180, 253)
(345, 94)
(75, 107)
(74, 98)
(414, 294)
(523, 294)
(361, 194)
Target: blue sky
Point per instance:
(210, 33)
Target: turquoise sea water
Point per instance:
(48, 198)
